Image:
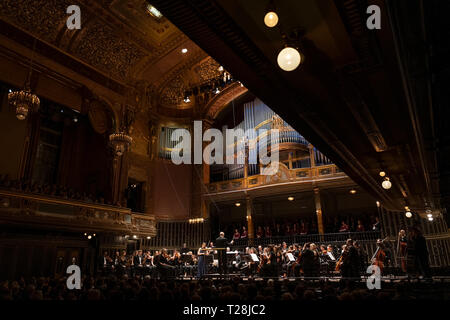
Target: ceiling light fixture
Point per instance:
(353, 191)
(382, 173)
(184, 50)
(271, 19)
(408, 214)
(289, 59)
(237, 204)
(290, 198)
(386, 184)
(24, 101)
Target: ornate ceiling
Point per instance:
(121, 40)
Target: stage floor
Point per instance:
(331, 278)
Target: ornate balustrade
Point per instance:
(18, 208)
(284, 175)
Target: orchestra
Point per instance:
(309, 261)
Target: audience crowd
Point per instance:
(51, 190)
(146, 289)
(306, 226)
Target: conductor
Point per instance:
(221, 244)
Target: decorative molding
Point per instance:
(215, 105)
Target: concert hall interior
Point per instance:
(338, 164)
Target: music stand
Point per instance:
(209, 258)
(186, 258)
(290, 257)
(254, 257)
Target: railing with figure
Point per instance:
(72, 215)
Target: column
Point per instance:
(205, 201)
(250, 228)
(290, 160)
(318, 210)
(312, 159)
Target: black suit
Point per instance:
(222, 243)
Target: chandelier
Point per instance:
(120, 142)
(24, 101)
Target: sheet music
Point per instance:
(331, 256)
(254, 257)
(290, 257)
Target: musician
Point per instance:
(201, 268)
(138, 261)
(379, 256)
(362, 257)
(402, 248)
(420, 252)
(116, 260)
(307, 261)
(162, 265)
(123, 262)
(185, 249)
(316, 260)
(350, 261)
(106, 262)
(221, 244)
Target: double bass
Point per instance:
(340, 262)
(379, 256)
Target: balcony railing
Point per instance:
(284, 175)
(71, 215)
(315, 238)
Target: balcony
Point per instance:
(321, 174)
(42, 211)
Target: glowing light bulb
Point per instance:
(289, 59)
(271, 19)
(408, 214)
(386, 184)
